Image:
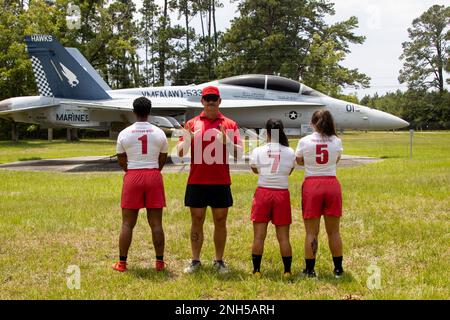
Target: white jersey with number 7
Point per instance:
(274, 163)
(142, 142)
(320, 153)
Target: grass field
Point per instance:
(395, 230)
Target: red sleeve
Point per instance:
(237, 136)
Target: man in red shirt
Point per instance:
(211, 137)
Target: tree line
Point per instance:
(145, 47)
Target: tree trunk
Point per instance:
(186, 15)
(209, 40)
(440, 67)
(163, 46)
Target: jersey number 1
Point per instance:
(321, 153)
(143, 140)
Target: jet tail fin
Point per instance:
(74, 52)
(57, 72)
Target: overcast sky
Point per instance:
(383, 22)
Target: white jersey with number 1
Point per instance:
(320, 154)
(274, 163)
(142, 142)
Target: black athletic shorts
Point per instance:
(204, 195)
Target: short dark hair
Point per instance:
(142, 106)
(324, 123)
(277, 124)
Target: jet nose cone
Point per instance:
(403, 123)
(380, 120)
(394, 122)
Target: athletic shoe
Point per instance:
(192, 267)
(160, 265)
(309, 273)
(256, 274)
(120, 266)
(338, 273)
(221, 266)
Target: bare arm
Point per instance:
(122, 160)
(300, 161)
(162, 160)
(184, 146)
(226, 140)
(237, 151)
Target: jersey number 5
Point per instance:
(321, 153)
(143, 140)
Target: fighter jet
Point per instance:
(73, 95)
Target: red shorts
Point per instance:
(272, 205)
(321, 196)
(143, 188)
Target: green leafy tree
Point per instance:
(150, 12)
(427, 54)
(290, 38)
(121, 47)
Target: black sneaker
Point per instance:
(309, 273)
(338, 273)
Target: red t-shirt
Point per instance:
(209, 158)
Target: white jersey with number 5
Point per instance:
(274, 163)
(142, 142)
(320, 154)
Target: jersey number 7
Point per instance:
(321, 153)
(276, 161)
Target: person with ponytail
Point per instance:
(319, 152)
(273, 162)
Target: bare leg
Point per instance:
(129, 218)
(283, 240)
(259, 235)
(198, 218)
(220, 230)
(334, 236)
(154, 218)
(311, 239)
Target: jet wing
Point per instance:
(123, 105)
(126, 104)
(5, 113)
(265, 103)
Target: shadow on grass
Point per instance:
(30, 158)
(392, 157)
(210, 271)
(151, 274)
(45, 143)
(328, 277)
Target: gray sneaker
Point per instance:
(221, 266)
(192, 267)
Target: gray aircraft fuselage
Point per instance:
(168, 101)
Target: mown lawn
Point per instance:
(395, 230)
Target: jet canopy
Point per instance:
(269, 82)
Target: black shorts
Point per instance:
(204, 195)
